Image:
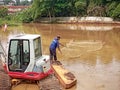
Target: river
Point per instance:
(92, 52)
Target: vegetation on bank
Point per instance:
(7, 19)
(78, 8)
(68, 8)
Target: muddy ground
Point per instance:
(50, 83)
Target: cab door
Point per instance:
(18, 55)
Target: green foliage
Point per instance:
(8, 20)
(111, 8)
(52, 8)
(37, 8)
(66, 8)
(80, 8)
(24, 16)
(3, 12)
(63, 8)
(116, 12)
(100, 2)
(103, 8)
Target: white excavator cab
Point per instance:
(25, 55)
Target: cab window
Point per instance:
(37, 48)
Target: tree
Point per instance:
(80, 8)
(66, 8)
(43, 8)
(116, 12)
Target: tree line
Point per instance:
(78, 8)
(67, 8)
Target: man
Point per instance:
(55, 44)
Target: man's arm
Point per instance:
(59, 50)
(62, 45)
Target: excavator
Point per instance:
(26, 65)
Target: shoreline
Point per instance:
(78, 20)
(93, 22)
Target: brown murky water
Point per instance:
(92, 52)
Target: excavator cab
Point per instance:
(25, 58)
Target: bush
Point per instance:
(116, 12)
(24, 16)
(3, 11)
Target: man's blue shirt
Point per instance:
(54, 44)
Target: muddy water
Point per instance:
(92, 52)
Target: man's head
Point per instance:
(58, 37)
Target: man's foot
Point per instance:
(58, 62)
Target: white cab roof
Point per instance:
(25, 36)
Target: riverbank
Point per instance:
(66, 20)
(79, 20)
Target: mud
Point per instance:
(70, 76)
(57, 62)
(50, 83)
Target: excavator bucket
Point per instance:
(66, 78)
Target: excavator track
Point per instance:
(44, 84)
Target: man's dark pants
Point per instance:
(53, 54)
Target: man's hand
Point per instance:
(62, 45)
(59, 50)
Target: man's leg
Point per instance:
(51, 56)
(55, 56)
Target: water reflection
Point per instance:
(92, 53)
(98, 28)
(91, 27)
